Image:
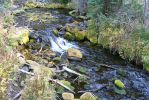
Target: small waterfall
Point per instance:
(59, 44)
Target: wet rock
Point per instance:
(68, 96)
(74, 54)
(87, 96)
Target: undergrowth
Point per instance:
(8, 59)
(123, 32)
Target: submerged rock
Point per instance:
(68, 96)
(74, 54)
(87, 96)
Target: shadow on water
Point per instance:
(136, 81)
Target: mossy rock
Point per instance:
(31, 5)
(69, 36)
(119, 84)
(93, 39)
(75, 30)
(87, 96)
(80, 35)
(22, 37)
(68, 96)
(31, 41)
(56, 32)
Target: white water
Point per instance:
(62, 45)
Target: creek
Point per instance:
(136, 81)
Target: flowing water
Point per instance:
(136, 80)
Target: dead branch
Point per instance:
(17, 95)
(26, 72)
(61, 84)
(108, 66)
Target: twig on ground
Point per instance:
(61, 84)
(108, 66)
(17, 95)
(94, 90)
(26, 72)
(71, 71)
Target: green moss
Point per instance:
(69, 36)
(31, 5)
(145, 57)
(146, 63)
(93, 39)
(80, 35)
(31, 40)
(56, 32)
(54, 6)
(45, 5)
(13, 42)
(119, 84)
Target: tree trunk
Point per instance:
(81, 6)
(146, 13)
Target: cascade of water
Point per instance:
(60, 45)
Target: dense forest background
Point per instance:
(121, 26)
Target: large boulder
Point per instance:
(74, 54)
